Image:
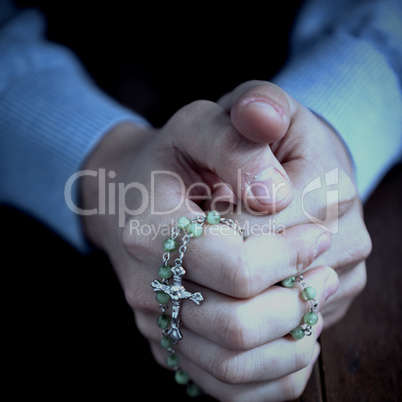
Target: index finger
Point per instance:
(221, 260)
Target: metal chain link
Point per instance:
(201, 219)
(233, 225)
(313, 304)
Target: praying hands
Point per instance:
(253, 157)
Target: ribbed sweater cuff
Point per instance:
(50, 121)
(351, 85)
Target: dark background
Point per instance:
(157, 58)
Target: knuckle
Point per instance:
(158, 355)
(235, 330)
(200, 106)
(188, 115)
(292, 389)
(360, 281)
(303, 257)
(356, 250)
(366, 245)
(140, 299)
(126, 237)
(361, 247)
(232, 332)
(133, 300)
(346, 192)
(141, 326)
(330, 195)
(302, 358)
(228, 369)
(137, 244)
(237, 275)
(332, 316)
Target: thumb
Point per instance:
(203, 132)
(259, 110)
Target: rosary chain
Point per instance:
(173, 359)
(232, 224)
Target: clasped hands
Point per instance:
(257, 150)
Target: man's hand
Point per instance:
(233, 344)
(319, 166)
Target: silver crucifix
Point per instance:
(177, 293)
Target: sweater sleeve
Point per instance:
(51, 117)
(346, 66)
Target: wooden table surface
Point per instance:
(361, 358)
(68, 332)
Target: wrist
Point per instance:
(122, 142)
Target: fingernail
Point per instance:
(263, 104)
(270, 186)
(322, 244)
(332, 284)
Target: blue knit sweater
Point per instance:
(345, 65)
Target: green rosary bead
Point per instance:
(163, 321)
(166, 342)
(173, 360)
(162, 298)
(181, 377)
(193, 390)
(183, 223)
(311, 318)
(289, 282)
(165, 272)
(297, 333)
(166, 291)
(169, 245)
(309, 293)
(213, 217)
(195, 229)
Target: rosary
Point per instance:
(169, 288)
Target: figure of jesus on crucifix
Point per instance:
(177, 293)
